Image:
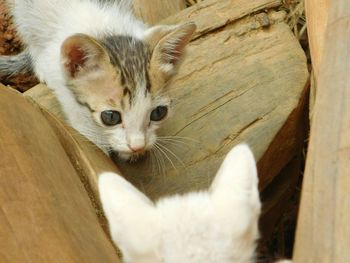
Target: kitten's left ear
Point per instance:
(132, 217)
(168, 45)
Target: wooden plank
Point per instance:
(153, 11)
(45, 213)
(316, 17)
(323, 233)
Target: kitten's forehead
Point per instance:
(131, 57)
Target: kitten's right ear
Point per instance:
(237, 177)
(82, 54)
(132, 217)
(168, 45)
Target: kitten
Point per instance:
(108, 70)
(215, 226)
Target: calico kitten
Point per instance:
(215, 226)
(107, 69)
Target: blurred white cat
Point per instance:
(219, 225)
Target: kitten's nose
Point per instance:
(137, 143)
(137, 149)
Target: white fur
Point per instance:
(215, 226)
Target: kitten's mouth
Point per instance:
(135, 157)
(130, 157)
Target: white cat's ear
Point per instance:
(237, 177)
(82, 54)
(132, 217)
(168, 45)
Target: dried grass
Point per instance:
(295, 18)
(192, 2)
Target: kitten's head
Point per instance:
(219, 225)
(122, 81)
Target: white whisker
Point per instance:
(165, 154)
(172, 153)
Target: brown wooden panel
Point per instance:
(323, 233)
(45, 212)
(316, 16)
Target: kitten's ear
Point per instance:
(237, 177)
(82, 54)
(132, 217)
(168, 45)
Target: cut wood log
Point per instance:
(323, 233)
(45, 212)
(251, 87)
(153, 11)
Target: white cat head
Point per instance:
(215, 226)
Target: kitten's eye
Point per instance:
(159, 113)
(111, 117)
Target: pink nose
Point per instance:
(137, 149)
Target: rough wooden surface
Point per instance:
(153, 11)
(323, 233)
(242, 81)
(317, 16)
(45, 212)
(211, 15)
(244, 89)
(47, 99)
(87, 159)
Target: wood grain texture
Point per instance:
(87, 159)
(323, 233)
(211, 15)
(45, 212)
(241, 81)
(239, 84)
(153, 11)
(316, 17)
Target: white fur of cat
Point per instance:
(215, 226)
(97, 57)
